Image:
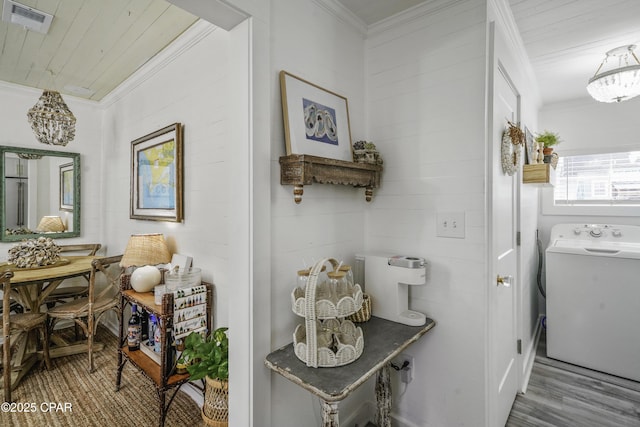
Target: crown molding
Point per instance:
(36, 92)
(336, 9)
(191, 37)
(427, 7)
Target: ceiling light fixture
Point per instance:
(619, 83)
(51, 120)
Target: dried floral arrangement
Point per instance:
(34, 253)
(516, 134)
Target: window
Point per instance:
(598, 179)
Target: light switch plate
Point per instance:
(450, 224)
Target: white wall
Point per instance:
(426, 92)
(311, 42)
(191, 89)
(16, 132)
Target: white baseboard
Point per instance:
(366, 413)
(362, 416)
(530, 355)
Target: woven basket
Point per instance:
(364, 314)
(328, 308)
(215, 411)
(331, 342)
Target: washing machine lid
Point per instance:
(595, 248)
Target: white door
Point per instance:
(503, 372)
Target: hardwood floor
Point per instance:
(560, 394)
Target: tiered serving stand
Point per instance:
(327, 338)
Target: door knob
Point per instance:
(504, 281)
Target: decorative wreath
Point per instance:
(511, 149)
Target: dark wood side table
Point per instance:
(163, 375)
(383, 341)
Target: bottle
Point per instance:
(134, 329)
(157, 340)
(152, 330)
(144, 323)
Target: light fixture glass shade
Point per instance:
(51, 224)
(617, 84)
(51, 120)
(145, 249)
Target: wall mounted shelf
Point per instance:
(541, 173)
(302, 169)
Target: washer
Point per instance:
(593, 297)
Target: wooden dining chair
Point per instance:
(15, 324)
(64, 293)
(87, 311)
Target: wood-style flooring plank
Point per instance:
(564, 395)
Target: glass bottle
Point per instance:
(153, 326)
(338, 284)
(303, 278)
(134, 329)
(157, 340)
(349, 274)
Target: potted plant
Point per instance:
(208, 358)
(366, 152)
(548, 139)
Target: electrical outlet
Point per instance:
(450, 224)
(406, 372)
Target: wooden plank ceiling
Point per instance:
(96, 44)
(566, 40)
(92, 44)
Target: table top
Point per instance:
(383, 341)
(77, 266)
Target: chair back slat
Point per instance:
(112, 275)
(90, 248)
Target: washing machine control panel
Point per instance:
(597, 233)
(582, 231)
(589, 231)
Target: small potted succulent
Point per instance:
(366, 152)
(208, 358)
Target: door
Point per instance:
(503, 374)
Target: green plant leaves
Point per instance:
(207, 357)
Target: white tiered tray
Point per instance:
(338, 342)
(327, 304)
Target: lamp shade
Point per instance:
(145, 249)
(51, 224)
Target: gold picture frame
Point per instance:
(156, 175)
(316, 120)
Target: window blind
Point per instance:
(598, 179)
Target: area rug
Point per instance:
(68, 395)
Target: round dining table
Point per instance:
(32, 286)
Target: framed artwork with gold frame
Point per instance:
(316, 120)
(156, 175)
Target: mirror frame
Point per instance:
(76, 194)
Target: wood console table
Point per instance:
(383, 341)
